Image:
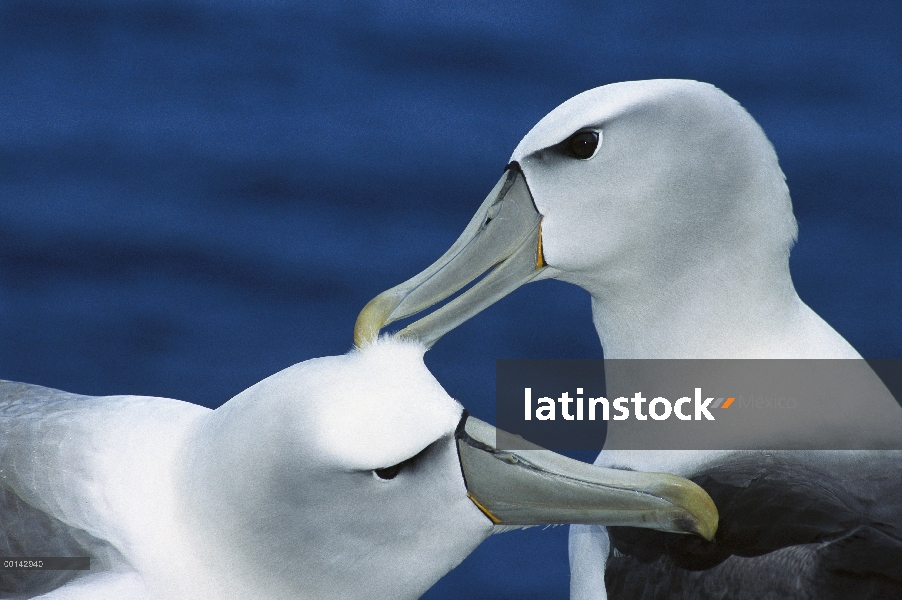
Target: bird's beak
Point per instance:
(505, 236)
(537, 487)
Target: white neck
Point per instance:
(725, 310)
(751, 312)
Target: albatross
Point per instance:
(664, 200)
(342, 477)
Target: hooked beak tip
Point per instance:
(705, 528)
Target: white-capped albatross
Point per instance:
(665, 201)
(343, 477)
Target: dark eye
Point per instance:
(386, 473)
(389, 472)
(582, 144)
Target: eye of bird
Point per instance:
(581, 144)
(388, 472)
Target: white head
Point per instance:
(681, 172)
(662, 198)
(337, 478)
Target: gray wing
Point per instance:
(29, 532)
(30, 419)
(803, 525)
(68, 467)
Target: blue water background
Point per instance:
(194, 195)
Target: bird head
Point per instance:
(626, 186)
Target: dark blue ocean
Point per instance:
(195, 195)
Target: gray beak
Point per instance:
(505, 236)
(536, 487)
